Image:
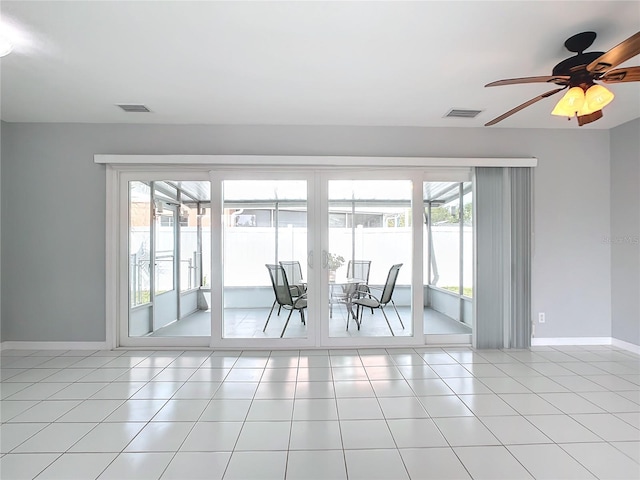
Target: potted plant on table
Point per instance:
(334, 262)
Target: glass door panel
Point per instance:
(165, 295)
(448, 258)
(467, 242)
(264, 259)
(140, 269)
(369, 258)
(168, 230)
(195, 261)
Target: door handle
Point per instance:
(325, 259)
(310, 259)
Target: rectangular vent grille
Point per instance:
(461, 113)
(134, 108)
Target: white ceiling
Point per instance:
(299, 63)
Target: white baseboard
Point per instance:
(549, 342)
(10, 345)
(632, 347)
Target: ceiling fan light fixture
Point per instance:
(585, 99)
(570, 104)
(595, 98)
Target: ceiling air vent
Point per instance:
(462, 113)
(129, 108)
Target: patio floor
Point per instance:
(248, 323)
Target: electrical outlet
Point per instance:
(541, 317)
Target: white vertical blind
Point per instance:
(489, 289)
(503, 252)
(520, 258)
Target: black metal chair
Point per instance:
(356, 270)
(371, 301)
(294, 274)
(284, 299)
(360, 269)
(297, 285)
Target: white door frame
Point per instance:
(118, 331)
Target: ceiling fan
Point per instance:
(585, 98)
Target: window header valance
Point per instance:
(311, 161)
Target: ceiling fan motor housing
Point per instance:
(576, 65)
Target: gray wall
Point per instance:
(53, 234)
(625, 232)
(53, 287)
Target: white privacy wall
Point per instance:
(53, 245)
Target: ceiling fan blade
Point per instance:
(524, 105)
(559, 79)
(618, 54)
(631, 74)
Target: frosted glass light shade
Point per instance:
(595, 99)
(571, 103)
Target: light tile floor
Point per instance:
(419, 413)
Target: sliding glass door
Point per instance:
(167, 244)
(265, 230)
(369, 258)
(290, 259)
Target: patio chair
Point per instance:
(370, 301)
(284, 299)
(356, 270)
(294, 274)
(360, 269)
